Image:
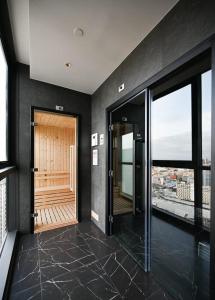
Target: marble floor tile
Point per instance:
(27, 270)
(78, 262)
(34, 292)
(27, 242)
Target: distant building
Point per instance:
(185, 191)
(206, 195)
(206, 178)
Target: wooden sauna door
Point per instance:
(55, 170)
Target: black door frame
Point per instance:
(69, 114)
(147, 177)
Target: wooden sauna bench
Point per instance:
(49, 180)
(55, 208)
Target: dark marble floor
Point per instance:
(129, 231)
(79, 262)
(180, 258)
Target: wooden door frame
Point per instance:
(65, 113)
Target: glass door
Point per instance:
(181, 188)
(129, 170)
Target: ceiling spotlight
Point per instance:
(78, 31)
(68, 65)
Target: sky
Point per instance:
(206, 116)
(171, 123)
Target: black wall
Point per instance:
(35, 93)
(188, 24)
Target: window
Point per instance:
(127, 164)
(3, 106)
(181, 173)
(171, 126)
(3, 223)
(3, 146)
(206, 198)
(127, 147)
(173, 191)
(206, 118)
(206, 148)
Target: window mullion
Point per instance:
(197, 148)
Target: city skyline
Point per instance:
(173, 191)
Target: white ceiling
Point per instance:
(44, 39)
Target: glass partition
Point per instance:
(181, 189)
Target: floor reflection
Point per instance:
(180, 255)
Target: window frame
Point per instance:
(7, 167)
(196, 127)
(7, 162)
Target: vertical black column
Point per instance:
(197, 149)
(109, 166)
(147, 178)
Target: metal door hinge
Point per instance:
(34, 124)
(34, 215)
(34, 170)
(111, 127)
(111, 219)
(111, 173)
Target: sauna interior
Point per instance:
(55, 170)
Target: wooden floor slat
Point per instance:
(122, 205)
(71, 208)
(64, 199)
(54, 209)
(65, 212)
(61, 215)
(63, 195)
(52, 192)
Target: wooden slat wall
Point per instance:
(56, 120)
(52, 156)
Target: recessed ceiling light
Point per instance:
(77, 31)
(68, 65)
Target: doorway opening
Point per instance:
(55, 170)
